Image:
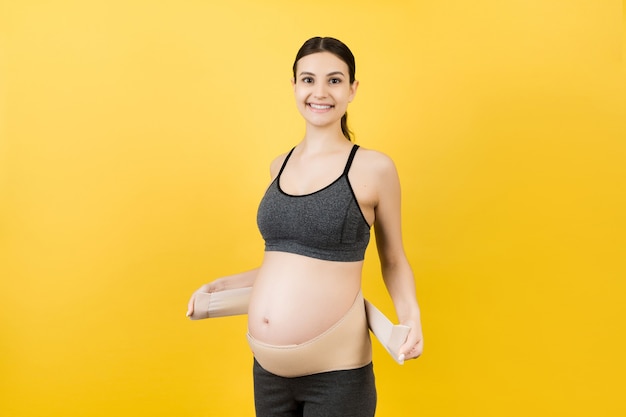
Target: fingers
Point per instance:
(413, 352)
(199, 306)
(206, 288)
(190, 305)
(412, 349)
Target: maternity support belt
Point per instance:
(235, 302)
(346, 345)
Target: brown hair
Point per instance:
(337, 48)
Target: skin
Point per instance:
(296, 298)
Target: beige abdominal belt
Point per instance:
(235, 302)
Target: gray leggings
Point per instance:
(346, 393)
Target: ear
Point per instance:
(353, 89)
(293, 83)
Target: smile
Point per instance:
(320, 106)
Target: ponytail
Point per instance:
(344, 127)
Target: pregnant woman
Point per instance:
(307, 322)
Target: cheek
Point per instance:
(300, 95)
(345, 98)
(301, 100)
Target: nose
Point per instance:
(320, 90)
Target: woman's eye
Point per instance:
(307, 80)
(335, 80)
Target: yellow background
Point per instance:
(135, 140)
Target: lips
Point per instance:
(315, 106)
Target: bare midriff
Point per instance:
(296, 298)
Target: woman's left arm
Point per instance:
(396, 271)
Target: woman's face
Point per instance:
(322, 88)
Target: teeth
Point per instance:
(319, 107)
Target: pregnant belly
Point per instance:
(297, 298)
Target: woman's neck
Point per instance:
(323, 139)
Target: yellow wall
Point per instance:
(135, 138)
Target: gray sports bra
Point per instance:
(327, 224)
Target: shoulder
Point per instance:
(374, 162)
(276, 163)
(373, 177)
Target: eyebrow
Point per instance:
(328, 75)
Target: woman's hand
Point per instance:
(240, 280)
(206, 288)
(414, 345)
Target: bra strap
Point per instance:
(285, 162)
(350, 158)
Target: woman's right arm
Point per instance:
(230, 282)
